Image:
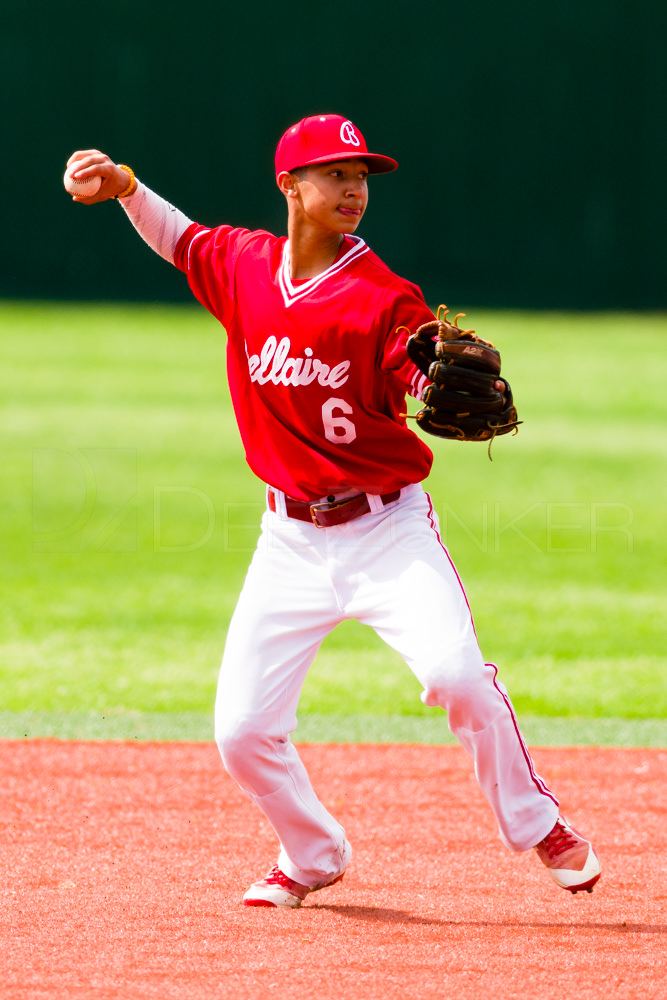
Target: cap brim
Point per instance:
(377, 164)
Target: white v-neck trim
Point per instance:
(292, 293)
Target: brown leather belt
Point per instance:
(325, 515)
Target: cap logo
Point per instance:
(348, 135)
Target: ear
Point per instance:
(288, 184)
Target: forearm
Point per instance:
(158, 223)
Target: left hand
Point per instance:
(500, 386)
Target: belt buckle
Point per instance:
(314, 508)
(313, 514)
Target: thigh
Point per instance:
(285, 609)
(413, 597)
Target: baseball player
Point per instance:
(318, 373)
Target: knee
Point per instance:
(458, 683)
(252, 757)
(239, 742)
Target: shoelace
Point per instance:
(276, 877)
(559, 840)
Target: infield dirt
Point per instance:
(123, 866)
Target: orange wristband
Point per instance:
(132, 186)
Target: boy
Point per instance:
(318, 374)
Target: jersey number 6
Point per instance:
(338, 430)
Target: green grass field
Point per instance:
(128, 519)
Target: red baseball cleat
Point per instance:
(276, 889)
(569, 857)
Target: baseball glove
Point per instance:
(462, 402)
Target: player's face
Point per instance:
(334, 196)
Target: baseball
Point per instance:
(84, 188)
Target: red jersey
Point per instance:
(317, 369)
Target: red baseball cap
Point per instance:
(324, 138)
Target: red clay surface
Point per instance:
(123, 865)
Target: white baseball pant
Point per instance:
(390, 570)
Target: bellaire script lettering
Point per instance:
(274, 364)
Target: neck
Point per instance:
(312, 253)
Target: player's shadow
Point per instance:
(386, 915)
(379, 914)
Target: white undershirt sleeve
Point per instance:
(157, 222)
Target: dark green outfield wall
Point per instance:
(531, 138)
